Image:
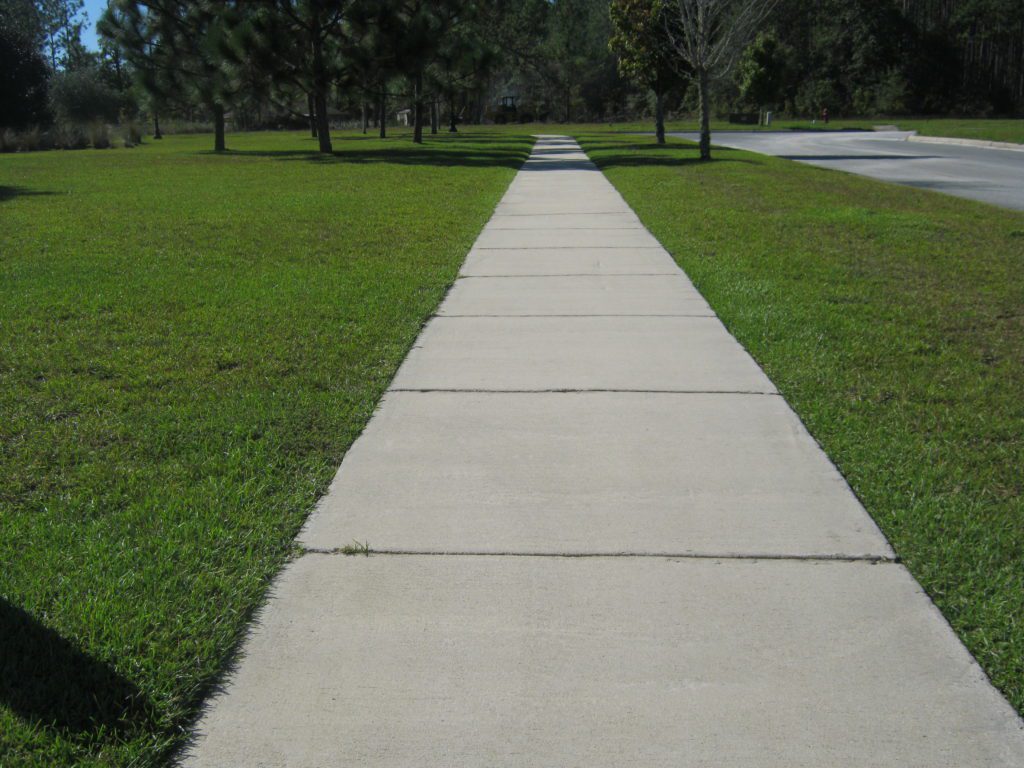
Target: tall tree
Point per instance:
(303, 41)
(463, 58)
(762, 71)
(62, 23)
(23, 75)
(421, 27)
(709, 36)
(576, 46)
(641, 42)
(22, 18)
(179, 50)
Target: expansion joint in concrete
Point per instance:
(674, 273)
(566, 229)
(623, 314)
(457, 390)
(561, 213)
(360, 549)
(572, 248)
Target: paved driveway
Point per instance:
(991, 175)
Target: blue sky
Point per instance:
(95, 9)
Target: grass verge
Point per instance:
(1010, 131)
(1007, 130)
(891, 319)
(189, 343)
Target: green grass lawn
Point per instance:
(988, 130)
(188, 345)
(190, 342)
(1011, 131)
(892, 320)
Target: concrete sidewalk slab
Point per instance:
(630, 237)
(591, 473)
(568, 261)
(662, 354)
(575, 295)
(547, 199)
(522, 204)
(602, 663)
(596, 221)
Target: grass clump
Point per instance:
(189, 343)
(891, 319)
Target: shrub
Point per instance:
(30, 139)
(45, 141)
(69, 136)
(80, 96)
(99, 135)
(131, 131)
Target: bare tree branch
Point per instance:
(709, 36)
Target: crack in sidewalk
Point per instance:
(569, 391)
(358, 548)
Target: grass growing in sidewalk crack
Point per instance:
(357, 548)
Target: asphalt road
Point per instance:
(993, 176)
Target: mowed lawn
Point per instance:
(983, 129)
(994, 129)
(892, 320)
(188, 345)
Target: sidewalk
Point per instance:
(599, 538)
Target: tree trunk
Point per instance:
(383, 115)
(704, 86)
(323, 127)
(417, 131)
(157, 134)
(320, 85)
(365, 116)
(452, 127)
(568, 103)
(218, 128)
(435, 117)
(659, 116)
(312, 115)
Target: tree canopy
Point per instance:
(321, 63)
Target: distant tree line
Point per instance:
(438, 63)
(866, 57)
(49, 79)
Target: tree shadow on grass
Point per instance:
(617, 155)
(49, 681)
(9, 193)
(482, 151)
